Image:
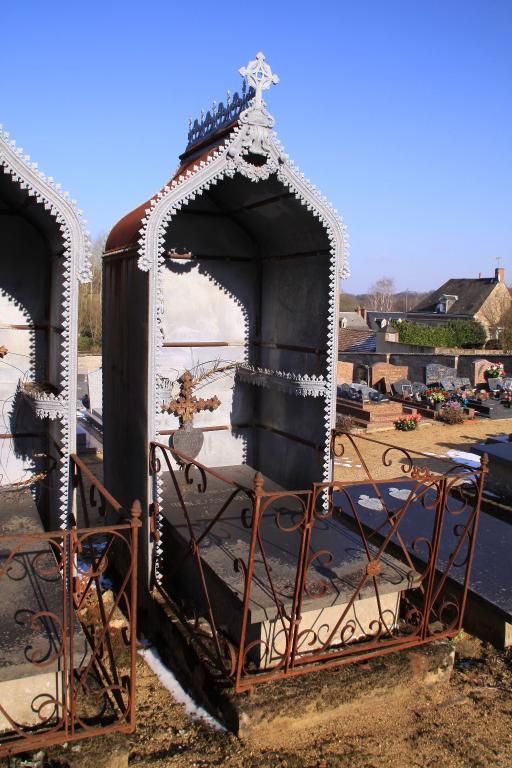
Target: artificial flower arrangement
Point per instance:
(495, 371)
(452, 412)
(461, 396)
(408, 423)
(435, 395)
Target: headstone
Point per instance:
(435, 373)
(390, 373)
(366, 394)
(345, 372)
(507, 383)
(361, 373)
(460, 383)
(402, 388)
(95, 392)
(418, 388)
(479, 369)
(495, 385)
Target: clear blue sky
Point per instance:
(400, 111)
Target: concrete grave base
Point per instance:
(24, 695)
(305, 701)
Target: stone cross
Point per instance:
(185, 406)
(260, 77)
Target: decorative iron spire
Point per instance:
(259, 75)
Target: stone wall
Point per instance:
(463, 360)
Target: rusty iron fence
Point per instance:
(268, 583)
(70, 672)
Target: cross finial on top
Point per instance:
(259, 76)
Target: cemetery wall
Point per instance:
(461, 359)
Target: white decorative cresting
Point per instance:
(252, 135)
(255, 126)
(76, 268)
(283, 381)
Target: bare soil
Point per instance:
(437, 438)
(465, 723)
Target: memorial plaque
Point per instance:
(418, 388)
(435, 373)
(479, 369)
(460, 383)
(402, 388)
(345, 372)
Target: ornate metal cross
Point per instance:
(186, 405)
(260, 77)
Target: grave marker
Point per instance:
(435, 373)
(390, 373)
(345, 372)
(479, 369)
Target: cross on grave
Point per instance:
(186, 405)
(185, 440)
(259, 76)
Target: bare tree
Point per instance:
(89, 303)
(381, 295)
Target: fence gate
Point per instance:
(67, 637)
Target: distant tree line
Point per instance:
(89, 303)
(382, 297)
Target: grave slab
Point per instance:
(28, 586)
(331, 586)
(489, 609)
(499, 479)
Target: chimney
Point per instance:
(499, 275)
(364, 314)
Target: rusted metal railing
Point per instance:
(72, 670)
(269, 583)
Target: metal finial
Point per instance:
(228, 98)
(214, 107)
(258, 75)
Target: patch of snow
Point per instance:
(461, 457)
(166, 677)
(370, 502)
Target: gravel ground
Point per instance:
(435, 438)
(466, 723)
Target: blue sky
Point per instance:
(401, 112)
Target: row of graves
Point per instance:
(442, 394)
